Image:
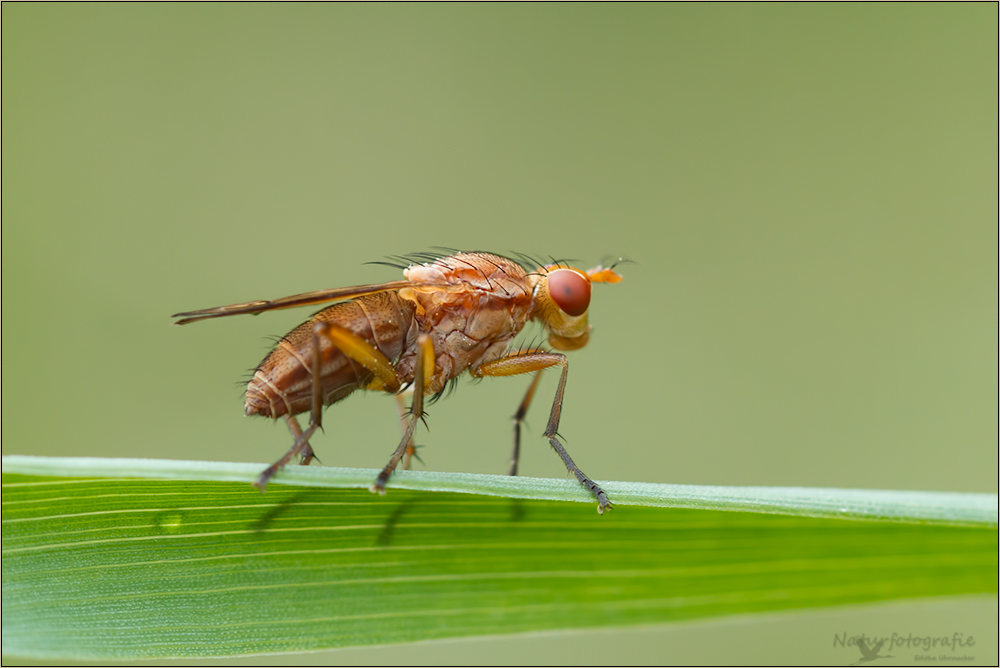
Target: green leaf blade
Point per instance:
(147, 568)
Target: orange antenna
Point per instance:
(601, 275)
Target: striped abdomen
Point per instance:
(282, 383)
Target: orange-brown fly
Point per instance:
(449, 315)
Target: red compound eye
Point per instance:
(570, 290)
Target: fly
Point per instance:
(448, 315)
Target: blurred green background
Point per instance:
(810, 193)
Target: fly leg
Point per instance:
(422, 375)
(411, 448)
(307, 452)
(522, 410)
(536, 360)
(356, 349)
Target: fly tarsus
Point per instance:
(307, 454)
(300, 447)
(602, 499)
(261, 481)
(422, 374)
(379, 485)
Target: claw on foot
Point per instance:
(376, 488)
